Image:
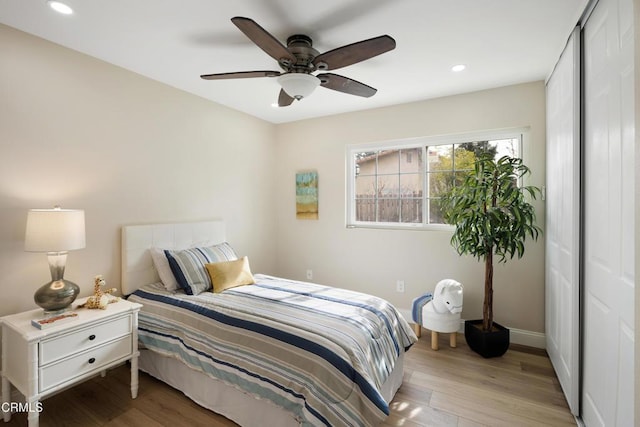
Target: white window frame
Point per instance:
(521, 134)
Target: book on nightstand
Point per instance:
(48, 322)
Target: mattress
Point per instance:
(322, 354)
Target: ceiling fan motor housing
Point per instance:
(300, 46)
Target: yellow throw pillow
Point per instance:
(229, 274)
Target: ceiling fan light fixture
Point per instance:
(298, 85)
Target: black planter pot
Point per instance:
(486, 344)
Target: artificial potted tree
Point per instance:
(492, 217)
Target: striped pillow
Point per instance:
(188, 265)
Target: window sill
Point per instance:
(395, 226)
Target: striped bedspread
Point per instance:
(321, 353)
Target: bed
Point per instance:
(293, 353)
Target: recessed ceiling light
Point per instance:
(60, 7)
(458, 68)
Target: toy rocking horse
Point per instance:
(440, 311)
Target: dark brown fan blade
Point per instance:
(346, 85)
(354, 53)
(284, 99)
(263, 39)
(240, 75)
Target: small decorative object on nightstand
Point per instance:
(55, 231)
(100, 298)
(40, 362)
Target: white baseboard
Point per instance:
(528, 338)
(516, 336)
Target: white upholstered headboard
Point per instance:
(137, 266)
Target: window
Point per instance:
(399, 183)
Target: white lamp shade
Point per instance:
(298, 85)
(54, 230)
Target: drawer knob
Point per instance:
(93, 359)
(92, 337)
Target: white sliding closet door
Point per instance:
(608, 350)
(562, 292)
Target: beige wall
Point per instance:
(372, 260)
(81, 133)
(131, 150)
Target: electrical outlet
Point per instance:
(400, 286)
(309, 274)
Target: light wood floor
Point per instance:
(448, 387)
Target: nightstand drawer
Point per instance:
(92, 360)
(83, 339)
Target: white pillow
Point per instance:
(164, 270)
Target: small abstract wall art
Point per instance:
(307, 195)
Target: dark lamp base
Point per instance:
(56, 296)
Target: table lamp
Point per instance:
(55, 231)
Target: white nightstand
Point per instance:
(40, 362)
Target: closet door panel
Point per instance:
(563, 221)
(608, 370)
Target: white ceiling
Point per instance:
(502, 42)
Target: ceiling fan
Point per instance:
(299, 60)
